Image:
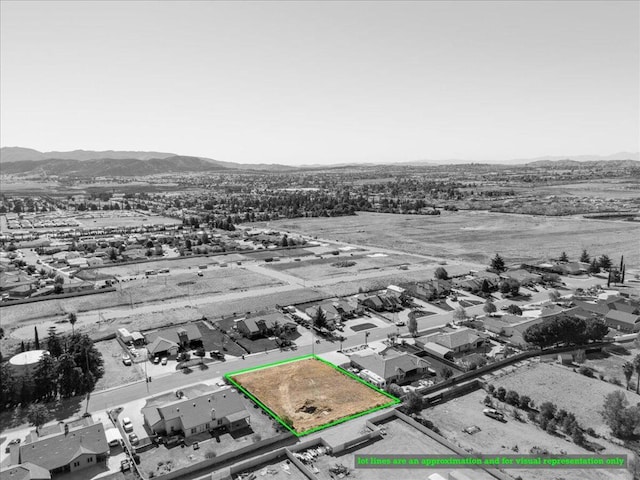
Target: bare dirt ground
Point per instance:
(476, 235)
(115, 372)
(496, 437)
(567, 389)
(310, 393)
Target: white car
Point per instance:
(127, 425)
(399, 323)
(495, 414)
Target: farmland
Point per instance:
(475, 235)
(310, 393)
(513, 436)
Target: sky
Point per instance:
(322, 82)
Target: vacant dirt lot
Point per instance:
(477, 236)
(496, 437)
(115, 372)
(310, 393)
(575, 393)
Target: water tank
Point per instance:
(24, 361)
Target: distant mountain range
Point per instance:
(87, 163)
(115, 163)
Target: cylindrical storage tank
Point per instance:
(26, 361)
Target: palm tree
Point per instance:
(636, 366)
(73, 318)
(627, 368)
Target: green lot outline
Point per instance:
(228, 376)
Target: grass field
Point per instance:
(497, 438)
(125, 220)
(477, 236)
(567, 389)
(310, 393)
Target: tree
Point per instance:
(525, 401)
(37, 414)
(413, 325)
(441, 274)
(497, 263)
(446, 373)
(36, 340)
(70, 376)
(636, 366)
(59, 280)
(627, 369)
(577, 436)
(594, 267)
(460, 314)
(54, 345)
(73, 318)
(621, 419)
(413, 402)
(489, 307)
(554, 295)
(501, 394)
(604, 262)
(563, 257)
(320, 319)
(512, 398)
(8, 385)
(547, 410)
(45, 378)
(514, 309)
(584, 257)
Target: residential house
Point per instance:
(457, 340)
(209, 411)
(522, 276)
(430, 290)
(264, 326)
(623, 321)
(391, 366)
(25, 471)
(161, 347)
(66, 447)
(185, 336)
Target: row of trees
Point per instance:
(628, 368)
(567, 330)
(72, 367)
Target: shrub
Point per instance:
(525, 401)
(512, 398)
(210, 454)
(532, 416)
(490, 388)
(488, 401)
(501, 393)
(586, 371)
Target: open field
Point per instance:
(329, 267)
(496, 437)
(609, 363)
(124, 220)
(310, 393)
(477, 236)
(545, 382)
(400, 439)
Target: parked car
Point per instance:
(164, 360)
(133, 438)
(156, 360)
(125, 465)
(127, 425)
(15, 441)
(495, 414)
(126, 359)
(399, 323)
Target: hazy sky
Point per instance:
(307, 82)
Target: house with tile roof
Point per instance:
(392, 366)
(161, 347)
(66, 448)
(221, 408)
(187, 335)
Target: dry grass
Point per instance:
(477, 236)
(310, 393)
